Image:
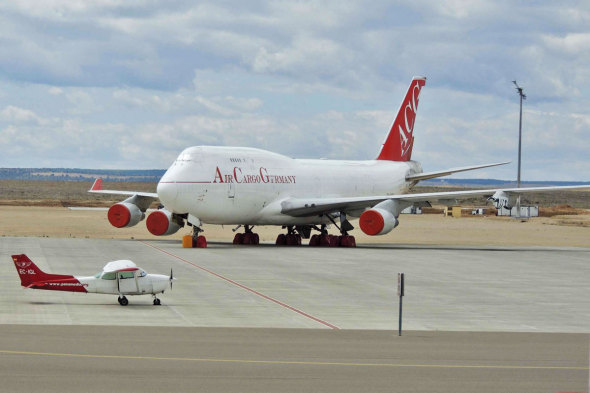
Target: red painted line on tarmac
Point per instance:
(245, 288)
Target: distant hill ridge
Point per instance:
(77, 174)
(154, 175)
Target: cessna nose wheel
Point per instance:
(156, 302)
(123, 301)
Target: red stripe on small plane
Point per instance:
(67, 285)
(246, 288)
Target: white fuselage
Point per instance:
(233, 185)
(138, 284)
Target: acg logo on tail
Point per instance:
(405, 134)
(400, 139)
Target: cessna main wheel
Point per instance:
(123, 301)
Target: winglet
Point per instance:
(97, 186)
(400, 140)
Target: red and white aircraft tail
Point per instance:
(400, 140)
(33, 277)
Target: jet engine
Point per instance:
(377, 221)
(162, 223)
(123, 215)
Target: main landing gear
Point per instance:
(326, 240)
(248, 237)
(292, 238)
(123, 301)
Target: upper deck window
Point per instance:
(184, 157)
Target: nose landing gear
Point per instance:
(199, 241)
(123, 301)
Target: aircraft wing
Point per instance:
(447, 172)
(142, 199)
(300, 207)
(116, 266)
(97, 188)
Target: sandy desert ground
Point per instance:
(560, 231)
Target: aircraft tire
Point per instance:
(348, 241)
(157, 302)
(239, 238)
(201, 242)
(251, 239)
(334, 240)
(292, 240)
(124, 301)
(324, 241)
(281, 240)
(314, 241)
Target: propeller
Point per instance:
(171, 278)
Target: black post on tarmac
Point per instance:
(400, 294)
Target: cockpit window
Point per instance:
(124, 275)
(142, 273)
(108, 276)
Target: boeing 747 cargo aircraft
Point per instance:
(248, 187)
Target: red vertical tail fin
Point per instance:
(27, 270)
(400, 140)
(30, 273)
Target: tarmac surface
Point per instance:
(447, 288)
(167, 359)
(473, 315)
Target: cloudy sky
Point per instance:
(129, 83)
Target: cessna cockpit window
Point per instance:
(124, 275)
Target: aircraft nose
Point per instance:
(167, 192)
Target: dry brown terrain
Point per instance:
(40, 208)
(75, 193)
(413, 229)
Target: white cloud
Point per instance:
(571, 44)
(111, 82)
(13, 114)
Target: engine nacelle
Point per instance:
(123, 215)
(161, 223)
(377, 221)
(502, 199)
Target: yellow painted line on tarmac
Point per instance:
(288, 362)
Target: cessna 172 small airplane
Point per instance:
(117, 278)
(247, 187)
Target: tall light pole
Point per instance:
(522, 97)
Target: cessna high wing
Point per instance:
(248, 187)
(121, 278)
